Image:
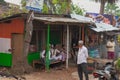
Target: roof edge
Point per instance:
(23, 15)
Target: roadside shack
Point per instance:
(62, 29)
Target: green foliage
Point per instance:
(45, 9)
(2, 1)
(62, 7)
(118, 63)
(59, 7)
(23, 2)
(11, 11)
(55, 1)
(77, 10)
(23, 9)
(112, 9)
(103, 2)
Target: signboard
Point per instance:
(35, 5)
(105, 18)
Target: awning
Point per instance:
(103, 27)
(82, 18)
(73, 19)
(56, 19)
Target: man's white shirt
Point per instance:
(109, 43)
(82, 55)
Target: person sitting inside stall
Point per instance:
(54, 54)
(42, 55)
(44, 52)
(63, 53)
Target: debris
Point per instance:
(6, 74)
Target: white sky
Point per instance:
(14, 1)
(89, 6)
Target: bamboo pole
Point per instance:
(48, 45)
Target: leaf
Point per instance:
(77, 10)
(118, 63)
(45, 9)
(55, 1)
(112, 9)
(23, 2)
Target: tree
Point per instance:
(11, 11)
(59, 7)
(23, 2)
(56, 6)
(7, 9)
(103, 2)
(112, 9)
(2, 2)
(77, 10)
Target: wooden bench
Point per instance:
(38, 62)
(35, 62)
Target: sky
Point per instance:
(14, 1)
(89, 6)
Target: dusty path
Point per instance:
(53, 74)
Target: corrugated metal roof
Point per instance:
(56, 19)
(102, 27)
(73, 19)
(82, 18)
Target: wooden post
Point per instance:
(83, 32)
(67, 46)
(37, 40)
(80, 33)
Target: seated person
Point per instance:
(42, 55)
(63, 53)
(55, 53)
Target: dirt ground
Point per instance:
(56, 73)
(53, 74)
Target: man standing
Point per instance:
(111, 49)
(82, 61)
